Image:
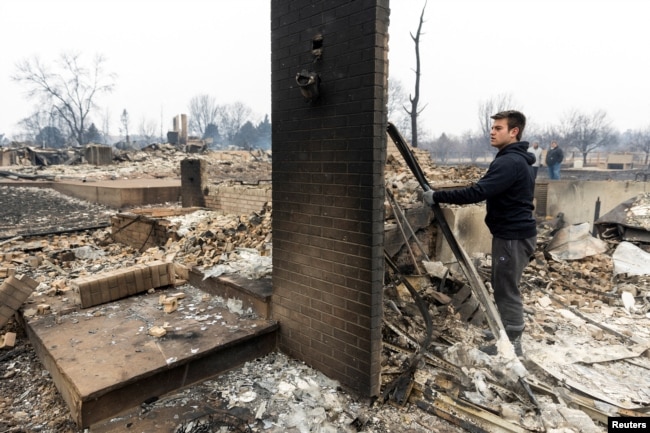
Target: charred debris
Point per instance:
(586, 294)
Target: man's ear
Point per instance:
(514, 131)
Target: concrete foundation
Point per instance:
(577, 199)
(119, 194)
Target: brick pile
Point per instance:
(13, 292)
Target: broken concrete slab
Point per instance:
(631, 260)
(575, 242)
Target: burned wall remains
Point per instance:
(230, 197)
(97, 154)
(238, 199)
(193, 180)
(329, 71)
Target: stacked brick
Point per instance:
(121, 283)
(238, 199)
(13, 292)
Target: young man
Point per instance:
(554, 158)
(507, 188)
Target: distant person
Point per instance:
(554, 158)
(537, 151)
(507, 189)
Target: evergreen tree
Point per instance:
(92, 135)
(50, 136)
(264, 134)
(246, 137)
(212, 131)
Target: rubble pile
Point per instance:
(215, 243)
(580, 340)
(586, 341)
(406, 188)
(155, 161)
(586, 333)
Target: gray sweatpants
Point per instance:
(509, 258)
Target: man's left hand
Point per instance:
(427, 196)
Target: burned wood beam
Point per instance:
(402, 222)
(464, 414)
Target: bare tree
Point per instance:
(415, 98)
(442, 148)
(203, 111)
(475, 145)
(106, 125)
(71, 89)
(397, 98)
(231, 118)
(32, 125)
(148, 130)
(488, 108)
(587, 132)
(640, 140)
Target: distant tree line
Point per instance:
(66, 94)
(577, 131)
(227, 124)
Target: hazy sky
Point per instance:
(549, 56)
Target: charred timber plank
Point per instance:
(466, 415)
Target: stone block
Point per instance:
(468, 226)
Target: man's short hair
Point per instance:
(516, 119)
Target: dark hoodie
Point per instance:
(507, 188)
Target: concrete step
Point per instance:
(254, 294)
(104, 362)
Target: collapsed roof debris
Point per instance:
(630, 259)
(32, 156)
(629, 221)
(585, 344)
